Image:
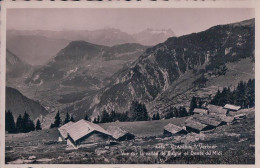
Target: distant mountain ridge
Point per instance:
(152, 37)
(32, 45)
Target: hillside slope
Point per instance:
(17, 103)
(155, 71)
(15, 67)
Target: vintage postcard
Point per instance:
(108, 84)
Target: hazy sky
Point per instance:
(181, 21)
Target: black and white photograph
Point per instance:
(129, 86)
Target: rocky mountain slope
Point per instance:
(77, 71)
(157, 70)
(15, 67)
(17, 103)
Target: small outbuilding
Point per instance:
(231, 107)
(200, 111)
(63, 130)
(119, 133)
(84, 132)
(195, 126)
(217, 110)
(171, 130)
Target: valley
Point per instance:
(86, 78)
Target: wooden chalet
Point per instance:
(193, 125)
(171, 130)
(120, 134)
(210, 121)
(84, 132)
(217, 110)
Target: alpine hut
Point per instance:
(216, 110)
(119, 134)
(84, 132)
(200, 111)
(195, 126)
(210, 121)
(63, 130)
(223, 118)
(171, 130)
(231, 107)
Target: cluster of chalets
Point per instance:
(206, 119)
(84, 133)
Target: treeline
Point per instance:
(23, 123)
(137, 112)
(243, 95)
(58, 122)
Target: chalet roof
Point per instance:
(195, 124)
(209, 120)
(116, 131)
(217, 109)
(172, 128)
(63, 129)
(201, 111)
(83, 128)
(232, 107)
(227, 119)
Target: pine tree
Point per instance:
(138, 112)
(193, 104)
(57, 121)
(144, 113)
(95, 120)
(86, 117)
(9, 122)
(113, 116)
(104, 117)
(182, 112)
(38, 125)
(157, 116)
(31, 126)
(72, 119)
(98, 119)
(67, 118)
(154, 117)
(18, 125)
(25, 122)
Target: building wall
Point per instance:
(127, 136)
(190, 129)
(94, 137)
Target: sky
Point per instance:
(181, 21)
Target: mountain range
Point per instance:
(86, 78)
(40, 46)
(198, 55)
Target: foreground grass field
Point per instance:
(228, 144)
